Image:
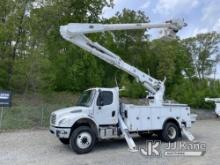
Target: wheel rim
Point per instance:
(171, 132)
(84, 140)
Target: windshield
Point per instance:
(86, 98)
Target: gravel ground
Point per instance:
(40, 147)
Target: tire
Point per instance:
(64, 141)
(170, 132)
(82, 140)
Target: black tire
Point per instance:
(170, 132)
(82, 140)
(64, 141)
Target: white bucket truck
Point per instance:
(99, 114)
(217, 105)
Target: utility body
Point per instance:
(99, 113)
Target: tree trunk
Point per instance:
(13, 54)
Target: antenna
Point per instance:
(116, 82)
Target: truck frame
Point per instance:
(99, 113)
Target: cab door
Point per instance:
(106, 108)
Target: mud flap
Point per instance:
(128, 138)
(188, 134)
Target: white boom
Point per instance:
(216, 100)
(75, 33)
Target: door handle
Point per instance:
(113, 113)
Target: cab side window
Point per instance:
(105, 98)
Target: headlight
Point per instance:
(64, 121)
(53, 118)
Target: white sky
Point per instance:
(200, 15)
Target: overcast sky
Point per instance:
(200, 15)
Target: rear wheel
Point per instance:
(82, 140)
(170, 132)
(64, 141)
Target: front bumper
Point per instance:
(60, 132)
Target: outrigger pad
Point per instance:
(188, 134)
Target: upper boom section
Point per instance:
(170, 27)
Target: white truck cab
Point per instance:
(97, 113)
(97, 106)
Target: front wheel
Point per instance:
(82, 140)
(170, 132)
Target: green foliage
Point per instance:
(204, 51)
(169, 59)
(132, 88)
(34, 57)
(193, 92)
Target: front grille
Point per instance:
(53, 119)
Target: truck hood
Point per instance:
(68, 115)
(76, 109)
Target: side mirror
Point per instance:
(100, 102)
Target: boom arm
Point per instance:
(216, 100)
(74, 32)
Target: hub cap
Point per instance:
(84, 140)
(171, 132)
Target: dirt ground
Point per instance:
(26, 147)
